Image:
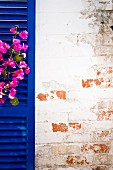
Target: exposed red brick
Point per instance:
(87, 83)
(77, 160)
(85, 148)
(99, 148)
(103, 133)
(100, 168)
(75, 125)
(97, 82)
(61, 127)
(98, 73)
(105, 115)
(110, 71)
(61, 94)
(42, 96)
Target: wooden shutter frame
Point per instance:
(31, 82)
(31, 86)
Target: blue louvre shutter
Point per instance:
(17, 122)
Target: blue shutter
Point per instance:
(17, 122)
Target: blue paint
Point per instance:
(17, 124)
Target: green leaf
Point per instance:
(14, 101)
(18, 58)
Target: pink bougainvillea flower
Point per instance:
(2, 100)
(27, 70)
(13, 58)
(1, 57)
(10, 63)
(24, 47)
(5, 45)
(2, 84)
(16, 41)
(1, 88)
(1, 70)
(22, 64)
(14, 82)
(13, 30)
(19, 74)
(12, 93)
(17, 47)
(2, 48)
(23, 34)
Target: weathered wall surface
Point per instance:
(74, 85)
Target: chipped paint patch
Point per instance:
(77, 160)
(61, 127)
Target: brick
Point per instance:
(78, 137)
(61, 127)
(100, 82)
(103, 135)
(96, 148)
(75, 125)
(65, 149)
(48, 161)
(77, 160)
(75, 167)
(100, 159)
(54, 94)
(105, 115)
(61, 94)
(99, 168)
(110, 159)
(42, 97)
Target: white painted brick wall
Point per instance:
(74, 42)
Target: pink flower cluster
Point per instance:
(12, 65)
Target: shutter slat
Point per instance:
(13, 146)
(16, 145)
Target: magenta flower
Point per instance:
(14, 82)
(24, 34)
(27, 70)
(17, 47)
(1, 88)
(16, 41)
(22, 64)
(12, 93)
(2, 84)
(5, 45)
(9, 62)
(2, 100)
(19, 74)
(12, 65)
(1, 57)
(13, 30)
(24, 47)
(1, 70)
